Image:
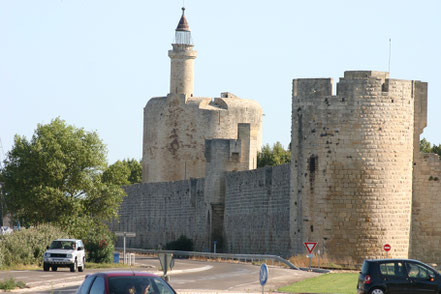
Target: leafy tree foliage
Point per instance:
(128, 171)
(276, 155)
(59, 176)
(426, 147)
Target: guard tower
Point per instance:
(178, 126)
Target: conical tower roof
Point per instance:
(183, 24)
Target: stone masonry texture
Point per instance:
(161, 212)
(176, 127)
(257, 211)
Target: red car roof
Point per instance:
(126, 274)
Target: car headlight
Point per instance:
(69, 256)
(47, 254)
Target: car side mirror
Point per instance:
(431, 278)
(47, 247)
(80, 248)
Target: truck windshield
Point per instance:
(62, 245)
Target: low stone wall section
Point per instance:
(257, 211)
(161, 212)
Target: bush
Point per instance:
(11, 284)
(97, 238)
(27, 246)
(99, 245)
(183, 243)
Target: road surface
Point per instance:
(187, 276)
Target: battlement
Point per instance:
(353, 86)
(363, 74)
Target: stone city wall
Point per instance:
(161, 212)
(257, 211)
(256, 216)
(426, 208)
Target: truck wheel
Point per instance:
(54, 268)
(74, 267)
(45, 267)
(81, 268)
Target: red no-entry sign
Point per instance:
(386, 247)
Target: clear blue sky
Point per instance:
(96, 63)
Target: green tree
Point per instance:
(126, 172)
(426, 147)
(58, 176)
(135, 168)
(276, 155)
(437, 149)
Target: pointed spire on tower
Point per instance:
(183, 33)
(183, 24)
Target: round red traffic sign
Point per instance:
(386, 247)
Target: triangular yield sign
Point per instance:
(310, 246)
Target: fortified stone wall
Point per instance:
(352, 165)
(161, 212)
(176, 127)
(256, 215)
(426, 199)
(257, 211)
(426, 207)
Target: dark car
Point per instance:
(124, 283)
(391, 276)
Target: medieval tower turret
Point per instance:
(352, 164)
(182, 60)
(177, 127)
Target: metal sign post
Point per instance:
(318, 253)
(310, 247)
(263, 276)
(167, 262)
(387, 248)
(128, 235)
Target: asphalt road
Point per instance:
(187, 276)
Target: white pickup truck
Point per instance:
(65, 253)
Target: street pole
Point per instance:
(124, 249)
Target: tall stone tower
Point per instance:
(177, 126)
(351, 172)
(182, 60)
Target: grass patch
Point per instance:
(325, 262)
(11, 284)
(342, 283)
(21, 267)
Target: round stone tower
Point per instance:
(182, 60)
(177, 127)
(351, 173)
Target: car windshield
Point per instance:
(138, 285)
(62, 245)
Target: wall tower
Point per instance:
(177, 126)
(351, 170)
